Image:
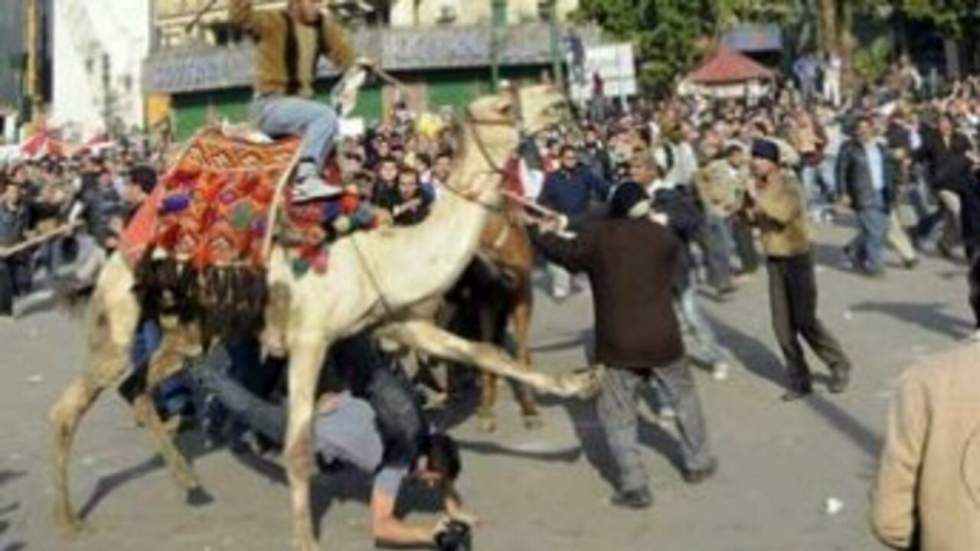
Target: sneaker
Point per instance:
(974, 336)
(720, 371)
(700, 475)
(633, 499)
(910, 263)
(310, 186)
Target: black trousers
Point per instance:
(793, 302)
(14, 280)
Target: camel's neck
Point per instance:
(424, 260)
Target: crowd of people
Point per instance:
(734, 185)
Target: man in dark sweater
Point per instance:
(631, 262)
(572, 191)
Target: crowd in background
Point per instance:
(699, 150)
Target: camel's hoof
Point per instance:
(487, 424)
(198, 497)
(533, 422)
(305, 546)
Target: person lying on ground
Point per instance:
(383, 433)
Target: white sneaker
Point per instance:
(720, 371)
(310, 186)
(974, 336)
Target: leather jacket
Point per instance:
(854, 177)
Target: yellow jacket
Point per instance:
(778, 211)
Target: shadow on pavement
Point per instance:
(5, 477)
(753, 355)
(928, 316)
(860, 435)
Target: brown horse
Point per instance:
(494, 292)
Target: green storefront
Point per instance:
(441, 66)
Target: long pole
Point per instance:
(33, 86)
(555, 50)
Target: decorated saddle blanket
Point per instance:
(212, 208)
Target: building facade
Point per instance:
(99, 48)
(446, 61)
(24, 70)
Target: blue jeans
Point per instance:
(291, 116)
(869, 244)
(693, 321)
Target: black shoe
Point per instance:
(795, 394)
(633, 499)
(910, 264)
(838, 382)
(700, 475)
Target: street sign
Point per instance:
(613, 63)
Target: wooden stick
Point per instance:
(7, 252)
(523, 201)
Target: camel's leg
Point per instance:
(439, 342)
(305, 360)
(167, 361)
(520, 316)
(112, 324)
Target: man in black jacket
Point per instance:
(631, 262)
(943, 151)
(866, 175)
(14, 272)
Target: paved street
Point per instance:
(541, 490)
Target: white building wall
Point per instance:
(83, 31)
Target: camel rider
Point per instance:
(288, 45)
(374, 425)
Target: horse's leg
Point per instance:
(305, 361)
(167, 361)
(487, 325)
(520, 317)
(112, 324)
(439, 342)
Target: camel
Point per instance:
(375, 280)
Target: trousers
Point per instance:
(292, 116)
(793, 304)
(616, 408)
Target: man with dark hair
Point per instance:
(866, 175)
(775, 205)
(14, 270)
(368, 417)
(570, 190)
(631, 261)
(289, 44)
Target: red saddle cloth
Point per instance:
(212, 207)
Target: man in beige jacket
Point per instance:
(927, 495)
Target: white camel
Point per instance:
(374, 281)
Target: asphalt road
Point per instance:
(541, 490)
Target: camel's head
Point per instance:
(498, 117)
(541, 106)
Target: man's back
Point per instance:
(631, 265)
(929, 478)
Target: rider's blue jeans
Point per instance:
(292, 116)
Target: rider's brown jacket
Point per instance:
(287, 51)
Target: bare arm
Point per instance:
(386, 528)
